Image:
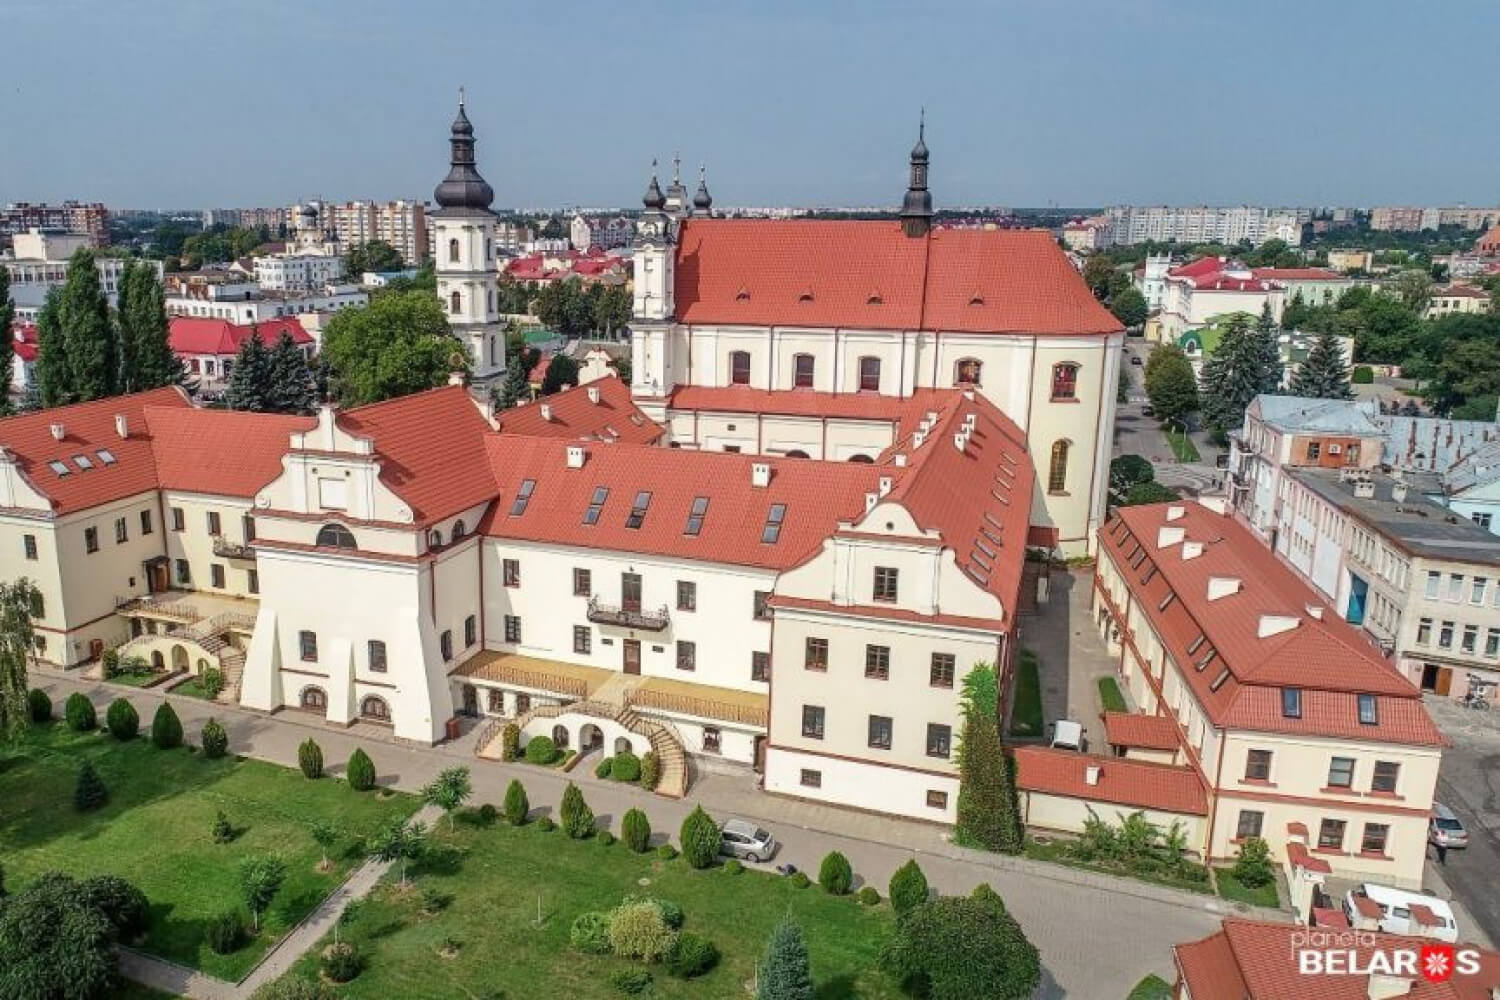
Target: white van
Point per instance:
(1395, 910)
(1067, 735)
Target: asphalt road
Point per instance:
(1469, 784)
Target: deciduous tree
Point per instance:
(53, 376)
(398, 344)
(957, 947)
(1171, 385)
(20, 605)
(1129, 307)
(89, 337)
(450, 790)
(147, 358)
(7, 341)
(260, 880)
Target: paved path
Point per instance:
(1098, 935)
(1469, 784)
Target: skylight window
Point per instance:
(695, 516)
(596, 505)
(82, 461)
(1218, 681)
(523, 497)
(59, 468)
(1193, 648)
(982, 547)
(772, 531)
(979, 560)
(990, 536)
(637, 513)
(1166, 602)
(106, 456)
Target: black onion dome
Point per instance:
(463, 187)
(654, 199)
(702, 200)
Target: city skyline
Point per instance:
(1135, 103)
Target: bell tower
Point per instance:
(655, 258)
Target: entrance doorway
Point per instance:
(156, 580)
(631, 649)
(1436, 679)
(471, 700)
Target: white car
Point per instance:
(1067, 735)
(741, 839)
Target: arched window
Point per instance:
(1065, 380)
(336, 536)
(796, 453)
(497, 701)
(966, 372)
(453, 252)
(314, 698)
(1057, 471)
(374, 707)
(560, 736)
(869, 374)
(454, 303)
(802, 371)
(739, 367)
(434, 539)
(458, 530)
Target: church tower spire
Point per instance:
(916, 207)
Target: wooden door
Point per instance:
(632, 653)
(1444, 680)
(158, 583)
(471, 700)
(630, 592)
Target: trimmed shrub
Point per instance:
(869, 896)
(516, 805)
(122, 904)
(627, 767)
(510, 741)
(650, 770)
(214, 740)
(361, 771)
(590, 933)
(602, 769)
(212, 680)
(631, 982)
(122, 720)
(89, 791)
(670, 911)
(39, 705)
(606, 838)
(835, 875)
(342, 962)
(957, 946)
(225, 932)
(1252, 868)
(287, 988)
(733, 866)
(635, 830)
(223, 832)
(166, 728)
(488, 814)
(691, 955)
(801, 881)
(310, 758)
(79, 712)
(545, 824)
(638, 930)
(908, 887)
(1362, 375)
(109, 663)
(666, 852)
(540, 750)
(700, 838)
(576, 816)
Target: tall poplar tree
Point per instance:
(20, 602)
(53, 376)
(129, 379)
(89, 335)
(145, 333)
(7, 341)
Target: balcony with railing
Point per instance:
(226, 549)
(614, 614)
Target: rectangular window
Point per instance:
(583, 639)
(216, 575)
(307, 646)
(122, 533)
(760, 666)
(802, 371)
(880, 732)
(471, 630)
(1476, 591)
(523, 497)
(812, 721)
(761, 610)
(247, 528)
(1291, 703)
(1314, 449)
(939, 740)
(687, 655)
(712, 739)
(213, 522)
(1384, 779)
(817, 654)
(91, 539)
(1470, 639)
(510, 572)
(252, 579)
(1258, 765)
(184, 572)
(739, 367)
(687, 595)
(695, 516)
(1434, 580)
(1341, 772)
(1369, 714)
(630, 591)
(771, 531)
(937, 799)
(375, 649)
(512, 628)
(146, 522)
(942, 670)
(28, 545)
(637, 515)
(878, 662)
(583, 583)
(1424, 631)
(1373, 842)
(885, 583)
(869, 374)
(596, 505)
(812, 779)
(445, 643)
(1482, 519)
(178, 523)
(1445, 636)
(1492, 643)
(38, 611)
(1455, 586)
(1249, 824)
(1331, 835)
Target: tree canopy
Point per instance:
(1170, 384)
(1240, 368)
(960, 947)
(1323, 373)
(7, 342)
(397, 345)
(374, 255)
(576, 310)
(1129, 307)
(20, 604)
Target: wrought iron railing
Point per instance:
(610, 614)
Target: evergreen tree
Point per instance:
(129, 376)
(147, 358)
(293, 388)
(7, 341)
(250, 385)
(1268, 350)
(562, 372)
(516, 388)
(18, 605)
(54, 378)
(90, 340)
(784, 972)
(987, 813)
(1236, 372)
(1323, 373)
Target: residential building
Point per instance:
(1391, 218)
(1351, 260)
(208, 347)
(1194, 294)
(1446, 300)
(221, 295)
(24, 352)
(511, 238)
(1288, 716)
(401, 223)
(1150, 279)
(87, 219)
(1488, 245)
(295, 272)
(38, 262)
(1087, 235)
(1203, 224)
(592, 266)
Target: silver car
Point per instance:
(745, 840)
(1446, 829)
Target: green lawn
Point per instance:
(155, 831)
(1110, 696)
(137, 680)
(1231, 888)
(1182, 446)
(192, 689)
(497, 877)
(1026, 712)
(1153, 987)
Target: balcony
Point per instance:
(232, 550)
(609, 614)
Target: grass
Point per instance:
(1153, 987)
(138, 680)
(192, 689)
(499, 876)
(1110, 696)
(1182, 446)
(1026, 712)
(1231, 888)
(155, 831)
(1189, 877)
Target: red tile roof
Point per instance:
(26, 342)
(1258, 960)
(539, 370)
(870, 275)
(220, 452)
(1328, 659)
(575, 417)
(1148, 732)
(1326, 916)
(1298, 854)
(807, 403)
(1298, 274)
(1134, 783)
(431, 447)
(88, 429)
(194, 335)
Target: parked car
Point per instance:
(1067, 735)
(1446, 829)
(1135, 359)
(741, 839)
(1147, 411)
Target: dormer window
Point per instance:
(743, 295)
(335, 536)
(976, 299)
(966, 371)
(1291, 703)
(874, 299)
(1369, 715)
(435, 538)
(806, 296)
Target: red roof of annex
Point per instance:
(198, 335)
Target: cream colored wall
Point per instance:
(1406, 843)
(45, 572)
(1059, 812)
(195, 544)
(334, 456)
(452, 577)
(861, 785)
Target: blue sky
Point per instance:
(228, 102)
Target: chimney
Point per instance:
(960, 440)
(456, 378)
(900, 459)
(918, 438)
(547, 412)
(885, 485)
(1275, 625)
(870, 499)
(594, 394)
(1169, 534)
(576, 456)
(58, 433)
(1398, 492)
(122, 426)
(1191, 550)
(760, 474)
(1219, 505)
(1222, 586)
(931, 417)
(1315, 611)
(969, 420)
(1091, 774)
(1384, 987)
(1175, 513)
(1364, 489)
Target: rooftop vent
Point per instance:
(58, 432)
(931, 417)
(1091, 774)
(917, 438)
(1398, 492)
(900, 459)
(1169, 534)
(1191, 550)
(1315, 611)
(760, 474)
(1175, 513)
(594, 394)
(1384, 987)
(1275, 625)
(885, 485)
(960, 440)
(1222, 586)
(970, 418)
(806, 296)
(576, 456)
(122, 426)
(547, 412)
(1364, 489)
(870, 499)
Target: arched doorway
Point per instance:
(560, 736)
(202, 665)
(471, 700)
(374, 708)
(590, 737)
(314, 699)
(179, 658)
(622, 744)
(158, 662)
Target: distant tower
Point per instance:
(464, 249)
(655, 254)
(703, 203)
(677, 205)
(916, 207)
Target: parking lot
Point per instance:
(1469, 784)
(1072, 654)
